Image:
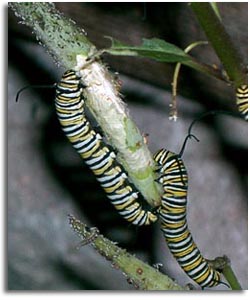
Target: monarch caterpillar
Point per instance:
(97, 155)
(174, 179)
(242, 100)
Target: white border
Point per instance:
(79, 294)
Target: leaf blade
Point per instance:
(154, 48)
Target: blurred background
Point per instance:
(47, 179)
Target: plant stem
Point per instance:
(221, 42)
(58, 34)
(137, 273)
(231, 278)
(173, 110)
(206, 69)
(70, 47)
(230, 275)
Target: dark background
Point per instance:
(47, 180)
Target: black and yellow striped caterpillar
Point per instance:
(97, 155)
(242, 100)
(174, 178)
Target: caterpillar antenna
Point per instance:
(212, 112)
(35, 87)
(189, 136)
(203, 115)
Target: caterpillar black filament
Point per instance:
(242, 100)
(96, 154)
(174, 179)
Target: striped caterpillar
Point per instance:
(174, 178)
(97, 155)
(242, 100)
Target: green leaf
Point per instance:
(156, 49)
(216, 9)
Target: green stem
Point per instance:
(137, 273)
(203, 68)
(221, 42)
(58, 34)
(222, 263)
(173, 106)
(231, 277)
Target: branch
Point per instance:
(141, 275)
(70, 47)
(230, 275)
(221, 42)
